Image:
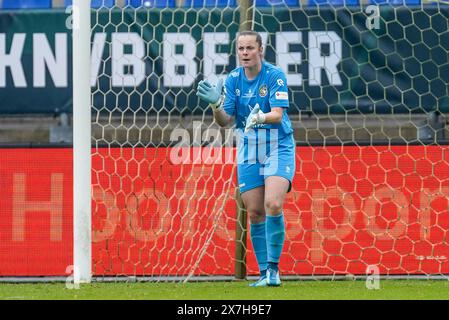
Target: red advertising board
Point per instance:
(351, 207)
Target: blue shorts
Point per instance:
(279, 161)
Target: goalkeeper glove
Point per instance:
(211, 94)
(255, 117)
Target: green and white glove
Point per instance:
(255, 117)
(211, 94)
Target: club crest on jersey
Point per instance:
(237, 92)
(263, 91)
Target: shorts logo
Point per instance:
(242, 185)
(263, 91)
(287, 169)
(281, 95)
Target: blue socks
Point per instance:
(268, 240)
(259, 240)
(275, 230)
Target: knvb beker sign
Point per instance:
(152, 60)
(129, 69)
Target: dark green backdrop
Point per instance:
(401, 67)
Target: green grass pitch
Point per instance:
(238, 290)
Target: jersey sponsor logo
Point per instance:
(234, 74)
(263, 91)
(249, 94)
(281, 95)
(280, 82)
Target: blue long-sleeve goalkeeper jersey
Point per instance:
(268, 89)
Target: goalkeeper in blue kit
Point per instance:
(256, 94)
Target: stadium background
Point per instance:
(372, 196)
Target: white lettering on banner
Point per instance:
(43, 57)
(212, 59)
(12, 60)
(286, 58)
(174, 62)
(96, 57)
(179, 52)
(21, 206)
(329, 63)
(121, 60)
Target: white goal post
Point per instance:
(82, 251)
